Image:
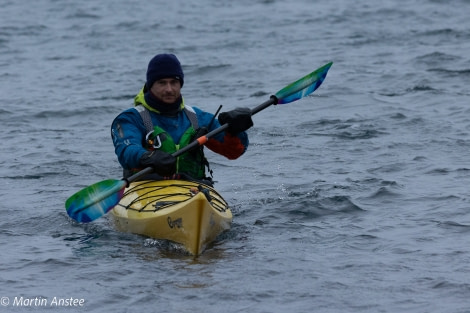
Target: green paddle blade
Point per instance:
(304, 86)
(95, 201)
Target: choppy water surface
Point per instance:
(354, 199)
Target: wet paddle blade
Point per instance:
(95, 201)
(304, 86)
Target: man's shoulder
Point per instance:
(197, 110)
(130, 113)
(133, 110)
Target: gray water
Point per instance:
(354, 199)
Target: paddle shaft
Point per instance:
(201, 140)
(305, 85)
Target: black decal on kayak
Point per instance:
(178, 223)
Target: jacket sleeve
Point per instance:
(128, 134)
(232, 147)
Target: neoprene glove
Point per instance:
(163, 163)
(238, 120)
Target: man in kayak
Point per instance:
(160, 123)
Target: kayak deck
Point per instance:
(185, 212)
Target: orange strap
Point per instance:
(202, 140)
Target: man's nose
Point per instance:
(168, 86)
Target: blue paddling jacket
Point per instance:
(130, 134)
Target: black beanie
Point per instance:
(164, 66)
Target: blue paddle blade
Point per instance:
(95, 201)
(304, 86)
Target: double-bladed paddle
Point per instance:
(98, 199)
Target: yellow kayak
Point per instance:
(189, 213)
